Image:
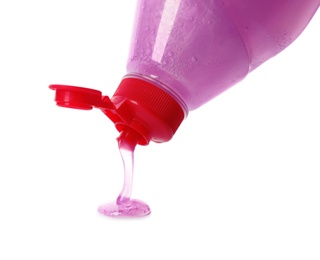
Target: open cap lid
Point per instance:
(138, 105)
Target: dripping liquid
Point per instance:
(124, 206)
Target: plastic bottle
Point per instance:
(184, 53)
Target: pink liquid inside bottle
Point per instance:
(198, 49)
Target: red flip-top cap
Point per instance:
(137, 106)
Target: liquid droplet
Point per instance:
(194, 59)
(170, 54)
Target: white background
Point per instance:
(240, 179)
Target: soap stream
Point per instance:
(127, 154)
(124, 206)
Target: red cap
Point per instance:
(137, 106)
(148, 109)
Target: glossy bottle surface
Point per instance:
(195, 50)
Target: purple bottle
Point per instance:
(185, 52)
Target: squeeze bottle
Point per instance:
(183, 53)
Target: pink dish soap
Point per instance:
(124, 206)
(184, 53)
